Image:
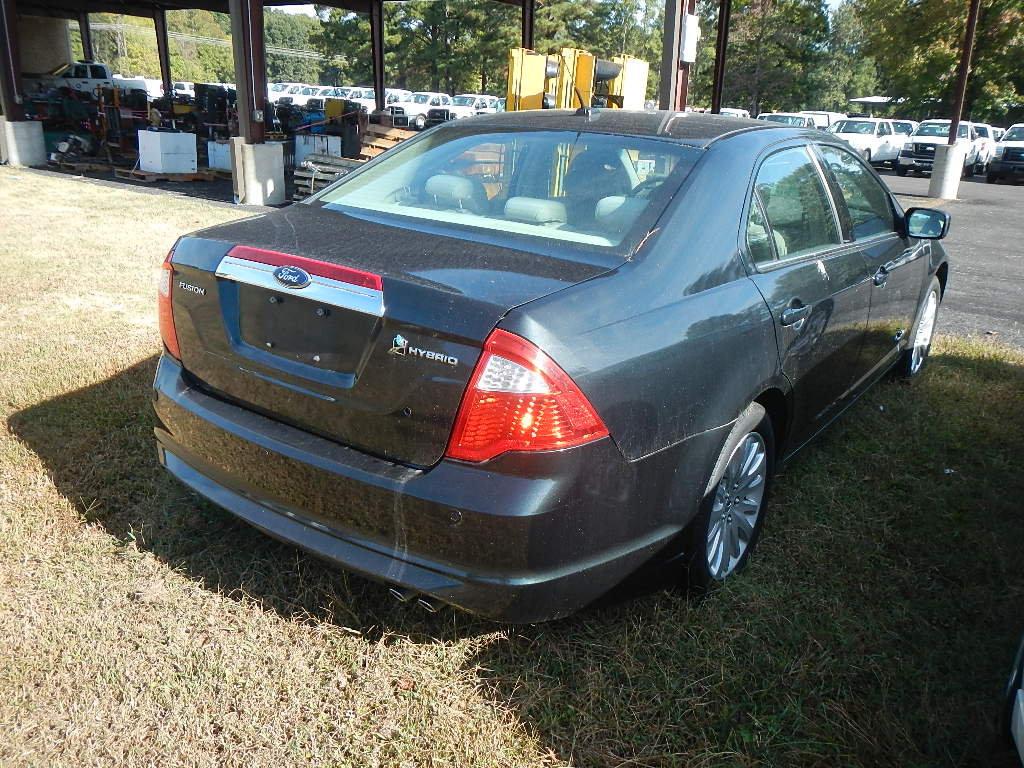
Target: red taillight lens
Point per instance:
(520, 400)
(166, 314)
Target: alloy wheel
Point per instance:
(737, 506)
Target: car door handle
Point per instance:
(796, 315)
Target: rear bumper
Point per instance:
(522, 538)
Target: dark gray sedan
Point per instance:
(513, 360)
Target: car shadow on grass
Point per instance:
(874, 627)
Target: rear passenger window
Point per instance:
(868, 203)
(758, 236)
(797, 207)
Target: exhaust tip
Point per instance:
(428, 604)
(401, 594)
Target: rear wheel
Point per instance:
(991, 178)
(900, 170)
(722, 537)
(916, 355)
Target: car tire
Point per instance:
(991, 178)
(969, 170)
(721, 538)
(915, 356)
(420, 122)
(867, 156)
(900, 170)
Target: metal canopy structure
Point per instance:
(246, 40)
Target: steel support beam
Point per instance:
(250, 68)
(10, 63)
(377, 50)
(86, 32)
(163, 52)
(964, 70)
(670, 50)
(721, 44)
(529, 7)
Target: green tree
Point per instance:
(917, 46)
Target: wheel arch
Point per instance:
(942, 273)
(777, 405)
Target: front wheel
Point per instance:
(421, 122)
(722, 537)
(916, 355)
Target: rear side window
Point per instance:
(867, 202)
(98, 73)
(796, 205)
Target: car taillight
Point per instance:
(518, 399)
(164, 311)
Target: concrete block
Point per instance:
(22, 142)
(258, 171)
(947, 170)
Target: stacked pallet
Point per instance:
(319, 170)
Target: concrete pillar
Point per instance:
(22, 142)
(258, 172)
(250, 67)
(10, 63)
(947, 169)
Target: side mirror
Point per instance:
(927, 223)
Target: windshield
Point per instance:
(862, 127)
(787, 119)
(982, 131)
(939, 129)
(278, 87)
(421, 98)
(1014, 134)
(587, 190)
(464, 101)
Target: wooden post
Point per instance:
(250, 68)
(529, 6)
(86, 32)
(377, 50)
(10, 63)
(163, 52)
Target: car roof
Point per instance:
(692, 128)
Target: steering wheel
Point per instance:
(645, 187)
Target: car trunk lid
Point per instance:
(359, 331)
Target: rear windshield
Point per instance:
(587, 190)
(786, 119)
(855, 126)
(940, 129)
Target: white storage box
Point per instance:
(315, 144)
(165, 152)
(218, 155)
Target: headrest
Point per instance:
(452, 192)
(535, 210)
(617, 213)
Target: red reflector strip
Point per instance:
(313, 266)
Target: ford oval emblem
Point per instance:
(292, 277)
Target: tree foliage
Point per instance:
(782, 55)
(917, 44)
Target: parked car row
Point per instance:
(408, 108)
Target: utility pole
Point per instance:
(963, 74)
(724, 12)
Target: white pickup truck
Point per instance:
(87, 76)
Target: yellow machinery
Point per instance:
(574, 78)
